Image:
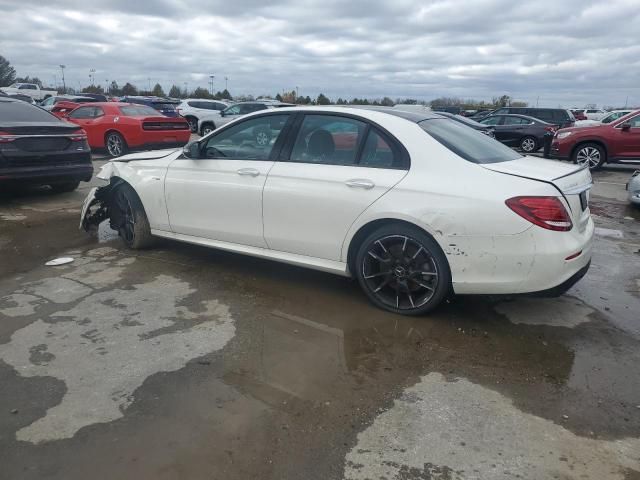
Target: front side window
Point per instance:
(470, 144)
(252, 139)
(328, 139)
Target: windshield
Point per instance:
(164, 106)
(614, 116)
(468, 143)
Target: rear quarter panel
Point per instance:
(461, 205)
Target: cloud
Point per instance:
(570, 53)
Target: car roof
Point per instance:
(519, 115)
(359, 110)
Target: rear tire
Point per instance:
(193, 124)
(129, 219)
(403, 270)
(529, 144)
(64, 187)
(115, 144)
(590, 154)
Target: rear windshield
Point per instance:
(23, 112)
(138, 111)
(470, 144)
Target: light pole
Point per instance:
(149, 83)
(211, 83)
(92, 76)
(64, 85)
(226, 79)
(186, 89)
(297, 95)
(106, 86)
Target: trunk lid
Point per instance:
(572, 181)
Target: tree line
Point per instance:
(8, 76)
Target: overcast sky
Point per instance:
(567, 52)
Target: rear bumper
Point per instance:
(530, 262)
(47, 174)
(564, 286)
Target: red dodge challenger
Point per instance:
(120, 127)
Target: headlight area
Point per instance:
(560, 135)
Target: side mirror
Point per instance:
(191, 150)
(222, 113)
(626, 126)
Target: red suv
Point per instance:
(615, 142)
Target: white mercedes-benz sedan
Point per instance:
(415, 206)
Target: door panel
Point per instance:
(220, 199)
(629, 141)
(310, 202)
(220, 196)
(308, 208)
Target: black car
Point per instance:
(38, 148)
(556, 116)
(521, 131)
(487, 130)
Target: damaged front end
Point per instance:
(98, 205)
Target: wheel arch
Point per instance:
(365, 230)
(205, 123)
(598, 142)
(113, 130)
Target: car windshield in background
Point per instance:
(23, 112)
(164, 106)
(138, 111)
(468, 143)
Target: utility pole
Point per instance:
(537, 101)
(626, 101)
(186, 89)
(226, 79)
(64, 85)
(297, 94)
(149, 82)
(211, 77)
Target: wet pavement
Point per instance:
(187, 363)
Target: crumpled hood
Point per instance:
(150, 155)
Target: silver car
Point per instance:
(210, 121)
(633, 187)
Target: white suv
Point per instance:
(595, 114)
(192, 109)
(212, 120)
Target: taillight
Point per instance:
(546, 212)
(78, 137)
(6, 137)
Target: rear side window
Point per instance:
(329, 140)
(470, 144)
(23, 112)
(379, 153)
(515, 121)
(138, 111)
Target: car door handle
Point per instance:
(360, 183)
(248, 171)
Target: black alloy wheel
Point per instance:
(404, 272)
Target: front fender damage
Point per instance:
(98, 204)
